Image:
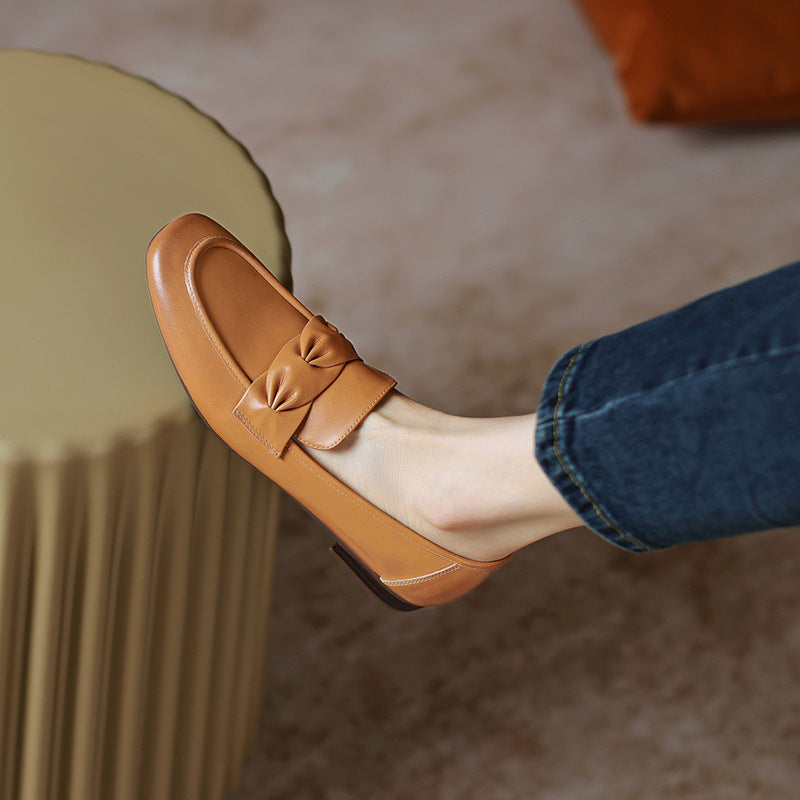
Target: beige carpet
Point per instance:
(466, 199)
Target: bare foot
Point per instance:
(472, 486)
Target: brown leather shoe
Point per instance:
(266, 374)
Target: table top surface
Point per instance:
(94, 162)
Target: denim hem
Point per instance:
(552, 453)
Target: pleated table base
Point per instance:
(135, 548)
(133, 612)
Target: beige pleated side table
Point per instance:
(135, 549)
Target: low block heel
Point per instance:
(370, 580)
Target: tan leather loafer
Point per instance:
(267, 375)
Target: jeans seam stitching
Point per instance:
(564, 465)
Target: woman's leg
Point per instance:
(681, 428)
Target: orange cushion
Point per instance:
(704, 60)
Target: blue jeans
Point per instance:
(684, 427)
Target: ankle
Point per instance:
(485, 493)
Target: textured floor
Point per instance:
(466, 199)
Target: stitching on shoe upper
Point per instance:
(198, 309)
(422, 578)
(352, 427)
(246, 421)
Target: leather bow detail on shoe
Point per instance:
(307, 365)
(278, 401)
